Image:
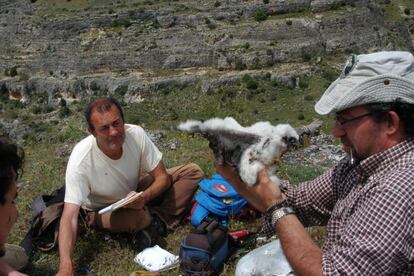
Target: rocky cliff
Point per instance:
(67, 49)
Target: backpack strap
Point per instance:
(47, 211)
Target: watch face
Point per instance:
(277, 206)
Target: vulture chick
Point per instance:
(248, 149)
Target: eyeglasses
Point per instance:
(343, 122)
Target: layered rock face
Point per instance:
(135, 47)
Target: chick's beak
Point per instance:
(291, 142)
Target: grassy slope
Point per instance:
(99, 253)
(102, 254)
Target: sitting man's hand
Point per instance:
(137, 204)
(264, 194)
(65, 268)
(64, 272)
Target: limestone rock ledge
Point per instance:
(135, 47)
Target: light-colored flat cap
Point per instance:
(372, 78)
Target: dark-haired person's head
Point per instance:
(101, 105)
(106, 123)
(11, 162)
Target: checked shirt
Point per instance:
(368, 209)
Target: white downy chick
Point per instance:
(249, 148)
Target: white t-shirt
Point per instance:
(93, 180)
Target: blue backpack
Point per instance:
(217, 199)
(205, 249)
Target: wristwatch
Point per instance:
(276, 206)
(280, 213)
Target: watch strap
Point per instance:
(280, 213)
(268, 227)
(277, 205)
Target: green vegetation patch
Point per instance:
(396, 10)
(253, 98)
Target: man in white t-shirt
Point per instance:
(104, 167)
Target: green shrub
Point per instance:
(15, 104)
(308, 98)
(260, 15)
(94, 86)
(407, 11)
(13, 71)
(303, 83)
(269, 52)
(4, 93)
(121, 90)
(329, 73)
(217, 4)
(246, 78)
(121, 23)
(62, 103)
(64, 112)
(211, 26)
(36, 109)
(239, 65)
(228, 93)
(266, 76)
(301, 117)
(251, 84)
(48, 109)
(306, 56)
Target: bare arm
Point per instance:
(303, 254)
(67, 237)
(161, 183)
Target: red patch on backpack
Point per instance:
(221, 188)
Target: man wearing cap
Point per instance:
(367, 199)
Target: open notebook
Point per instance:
(122, 202)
